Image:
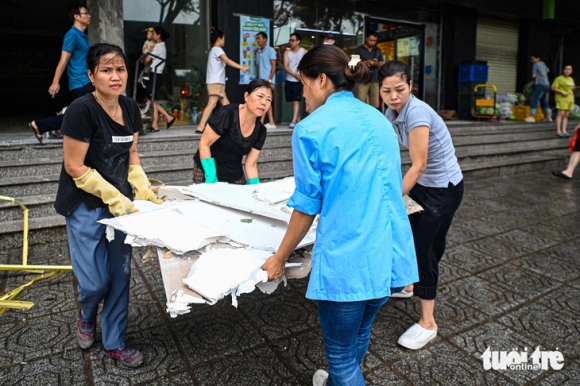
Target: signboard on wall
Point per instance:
(249, 27)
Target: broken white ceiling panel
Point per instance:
(267, 199)
(224, 271)
(253, 231)
(164, 228)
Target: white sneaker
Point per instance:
(319, 378)
(402, 295)
(530, 119)
(416, 337)
(269, 126)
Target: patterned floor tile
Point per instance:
(498, 248)
(389, 324)
(497, 337)
(469, 259)
(160, 353)
(544, 264)
(564, 299)
(64, 368)
(567, 376)
(278, 316)
(216, 334)
(552, 329)
(31, 339)
(519, 280)
(304, 352)
(443, 364)
(526, 240)
(482, 295)
(451, 314)
(259, 366)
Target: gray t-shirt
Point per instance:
(541, 71)
(442, 167)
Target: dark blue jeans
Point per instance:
(54, 123)
(346, 328)
(540, 95)
(430, 229)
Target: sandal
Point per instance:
(171, 122)
(36, 132)
(152, 130)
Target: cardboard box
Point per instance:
(447, 115)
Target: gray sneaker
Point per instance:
(85, 332)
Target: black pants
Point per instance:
(54, 123)
(430, 229)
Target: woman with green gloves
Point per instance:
(100, 170)
(234, 131)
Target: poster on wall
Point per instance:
(249, 27)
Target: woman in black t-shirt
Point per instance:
(100, 170)
(233, 132)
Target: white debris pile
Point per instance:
(220, 272)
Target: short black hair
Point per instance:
(97, 50)
(392, 68)
(536, 55)
(297, 35)
(262, 34)
(371, 33)
(75, 10)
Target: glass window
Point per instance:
(187, 46)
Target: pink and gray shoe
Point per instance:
(128, 356)
(85, 332)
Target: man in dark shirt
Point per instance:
(371, 56)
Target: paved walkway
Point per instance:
(510, 280)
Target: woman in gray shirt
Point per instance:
(434, 180)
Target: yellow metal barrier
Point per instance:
(7, 300)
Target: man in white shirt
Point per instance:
(293, 89)
(266, 70)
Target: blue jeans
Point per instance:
(346, 328)
(103, 270)
(540, 95)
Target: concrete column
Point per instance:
(107, 22)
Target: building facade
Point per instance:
(434, 37)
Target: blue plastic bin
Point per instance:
(473, 73)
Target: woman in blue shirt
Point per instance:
(364, 247)
(434, 181)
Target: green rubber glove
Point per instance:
(209, 169)
(253, 181)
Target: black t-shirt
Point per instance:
(108, 153)
(232, 146)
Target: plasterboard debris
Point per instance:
(221, 272)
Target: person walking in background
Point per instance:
(293, 88)
(73, 58)
(101, 168)
(328, 39)
(215, 78)
(434, 181)
(568, 173)
(372, 57)
(563, 86)
(266, 70)
(157, 66)
(363, 253)
(234, 131)
(541, 88)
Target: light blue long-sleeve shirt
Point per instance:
(347, 168)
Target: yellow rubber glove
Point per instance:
(92, 182)
(139, 181)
